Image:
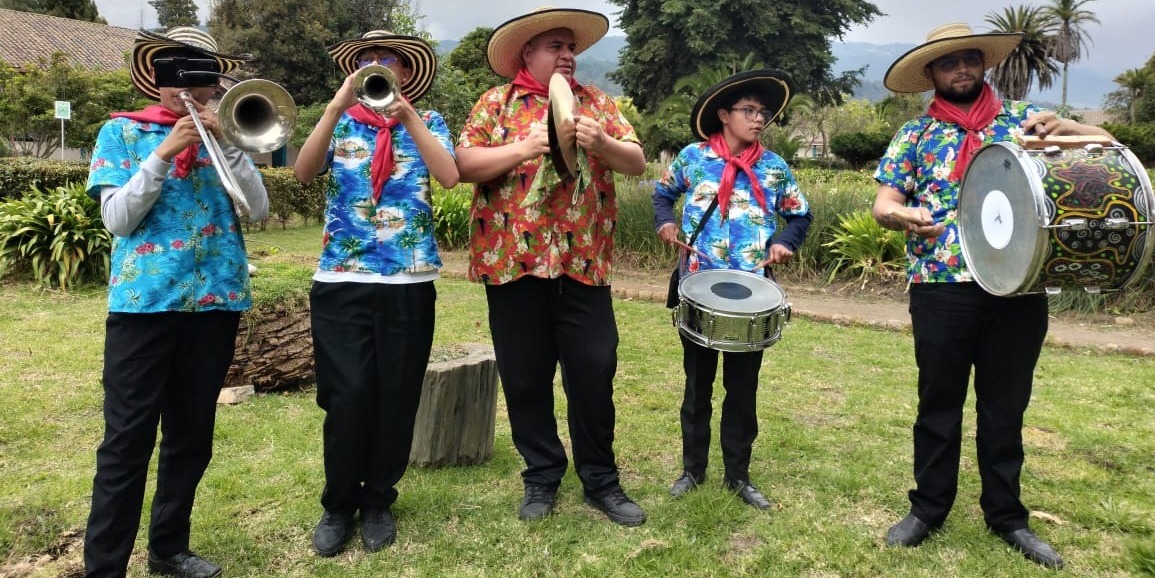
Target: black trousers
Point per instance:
(537, 324)
(166, 369)
(958, 326)
(739, 423)
(371, 346)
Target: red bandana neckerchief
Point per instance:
(981, 114)
(382, 165)
(745, 161)
(158, 114)
(527, 83)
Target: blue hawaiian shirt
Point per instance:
(396, 234)
(741, 241)
(918, 162)
(187, 254)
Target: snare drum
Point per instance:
(1038, 221)
(731, 310)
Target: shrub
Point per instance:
(860, 148)
(288, 197)
(451, 210)
(20, 174)
(860, 244)
(58, 234)
(1140, 138)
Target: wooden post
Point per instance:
(458, 408)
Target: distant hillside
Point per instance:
(1086, 88)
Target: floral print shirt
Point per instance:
(565, 232)
(394, 235)
(187, 254)
(741, 241)
(918, 163)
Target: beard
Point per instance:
(959, 96)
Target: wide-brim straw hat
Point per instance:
(419, 56)
(908, 73)
(148, 44)
(508, 39)
(774, 86)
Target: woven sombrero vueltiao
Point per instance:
(420, 57)
(908, 73)
(148, 44)
(774, 86)
(508, 39)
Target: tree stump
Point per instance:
(274, 348)
(458, 408)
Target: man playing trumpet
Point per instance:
(179, 281)
(372, 297)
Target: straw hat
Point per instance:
(507, 40)
(908, 73)
(774, 86)
(421, 58)
(148, 44)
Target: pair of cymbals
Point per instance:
(564, 155)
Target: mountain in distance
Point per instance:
(1086, 88)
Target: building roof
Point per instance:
(26, 37)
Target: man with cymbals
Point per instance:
(956, 324)
(542, 243)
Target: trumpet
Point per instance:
(376, 87)
(256, 116)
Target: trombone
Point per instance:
(256, 116)
(376, 87)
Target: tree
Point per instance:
(1030, 59)
(469, 57)
(1070, 39)
(1135, 82)
(171, 13)
(75, 9)
(671, 39)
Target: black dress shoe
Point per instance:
(332, 533)
(1033, 547)
(377, 528)
(183, 565)
(537, 502)
(618, 507)
(748, 493)
(686, 483)
(909, 531)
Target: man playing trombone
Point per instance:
(178, 283)
(372, 297)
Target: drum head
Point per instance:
(999, 219)
(732, 291)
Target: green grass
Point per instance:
(835, 410)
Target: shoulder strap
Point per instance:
(702, 223)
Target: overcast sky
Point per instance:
(1124, 39)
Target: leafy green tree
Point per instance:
(171, 13)
(1030, 60)
(672, 39)
(469, 58)
(1070, 39)
(75, 9)
(1135, 83)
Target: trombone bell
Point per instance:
(376, 87)
(257, 116)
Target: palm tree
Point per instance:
(1070, 40)
(1135, 82)
(1014, 75)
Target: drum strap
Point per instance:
(697, 230)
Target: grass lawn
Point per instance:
(835, 410)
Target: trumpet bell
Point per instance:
(257, 116)
(376, 87)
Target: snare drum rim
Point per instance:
(1145, 186)
(699, 304)
(1034, 268)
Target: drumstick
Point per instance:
(689, 248)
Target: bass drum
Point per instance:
(1043, 220)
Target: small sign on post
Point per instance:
(63, 112)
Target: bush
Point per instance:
(860, 148)
(57, 234)
(451, 214)
(860, 244)
(288, 197)
(20, 174)
(1140, 138)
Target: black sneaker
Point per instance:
(183, 565)
(377, 528)
(537, 503)
(332, 533)
(618, 507)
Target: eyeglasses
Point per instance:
(382, 60)
(947, 63)
(752, 113)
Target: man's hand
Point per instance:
(536, 143)
(590, 135)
